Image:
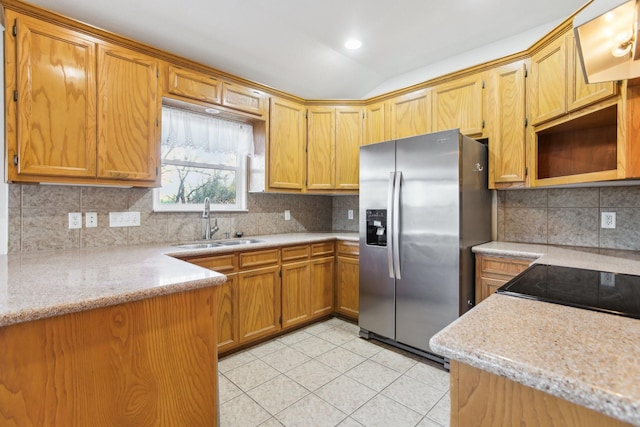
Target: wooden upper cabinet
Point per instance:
(580, 93)
(51, 129)
(349, 138)
(506, 123)
(194, 85)
(244, 98)
(459, 104)
(287, 125)
(410, 114)
(548, 82)
(321, 148)
(376, 126)
(128, 113)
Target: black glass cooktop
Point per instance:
(594, 290)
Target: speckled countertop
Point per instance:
(50, 283)
(586, 357)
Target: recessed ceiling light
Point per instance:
(353, 44)
(212, 111)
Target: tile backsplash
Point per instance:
(570, 216)
(38, 217)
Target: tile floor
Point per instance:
(325, 375)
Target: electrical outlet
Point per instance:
(350, 214)
(91, 219)
(607, 279)
(287, 215)
(75, 220)
(608, 220)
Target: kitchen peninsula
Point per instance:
(113, 336)
(515, 359)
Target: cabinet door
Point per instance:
(376, 123)
(286, 144)
(259, 302)
(347, 287)
(296, 293)
(228, 314)
(410, 115)
(506, 125)
(243, 98)
(56, 101)
(128, 111)
(349, 138)
(547, 92)
(487, 287)
(194, 85)
(580, 93)
(321, 148)
(459, 104)
(322, 276)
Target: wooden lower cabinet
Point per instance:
(228, 333)
(347, 287)
(322, 277)
(492, 272)
(296, 293)
(151, 362)
(259, 302)
(483, 399)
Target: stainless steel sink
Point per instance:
(219, 243)
(235, 242)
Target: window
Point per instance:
(202, 156)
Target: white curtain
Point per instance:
(201, 136)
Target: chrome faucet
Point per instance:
(208, 231)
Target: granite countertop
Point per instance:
(586, 357)
(50, 283)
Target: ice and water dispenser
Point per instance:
(376, 227)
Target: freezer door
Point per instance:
(377, 287)
(427, 295)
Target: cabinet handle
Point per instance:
(15, 159)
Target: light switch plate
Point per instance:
(91, 219)
(350, 214)
(124, 219)
(287, 215)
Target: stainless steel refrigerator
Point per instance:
(424, 202)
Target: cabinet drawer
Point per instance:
(505, 266)
(320, 249)
(295, 253)
(348, 248)
(219, 263)
(258, 258)
(194, 85)
(243, 98)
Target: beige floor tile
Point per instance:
(362, 347)
(318, 328)
(285, 359)
(294, 337)
(226, 389)
(278, 394)
(349, 422)
(271, 422)
(266, 348)
(337, 336)
(428, 422)
(384, 412)
(441, 412)
(345, 394)
(349, 327)
(311, 411)
(413, 394)
(340, 359)
(312, 374)
(231, 362)
(373, 375)
(434, 377)
(394, 360)
(242, 412)
(251, 374)
(313, 346)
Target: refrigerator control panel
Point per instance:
(377, 227)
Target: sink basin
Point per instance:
(235, 242)
(219, 243)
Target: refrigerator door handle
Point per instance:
(390, 214)
(396, 224)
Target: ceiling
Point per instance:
(297, 45)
